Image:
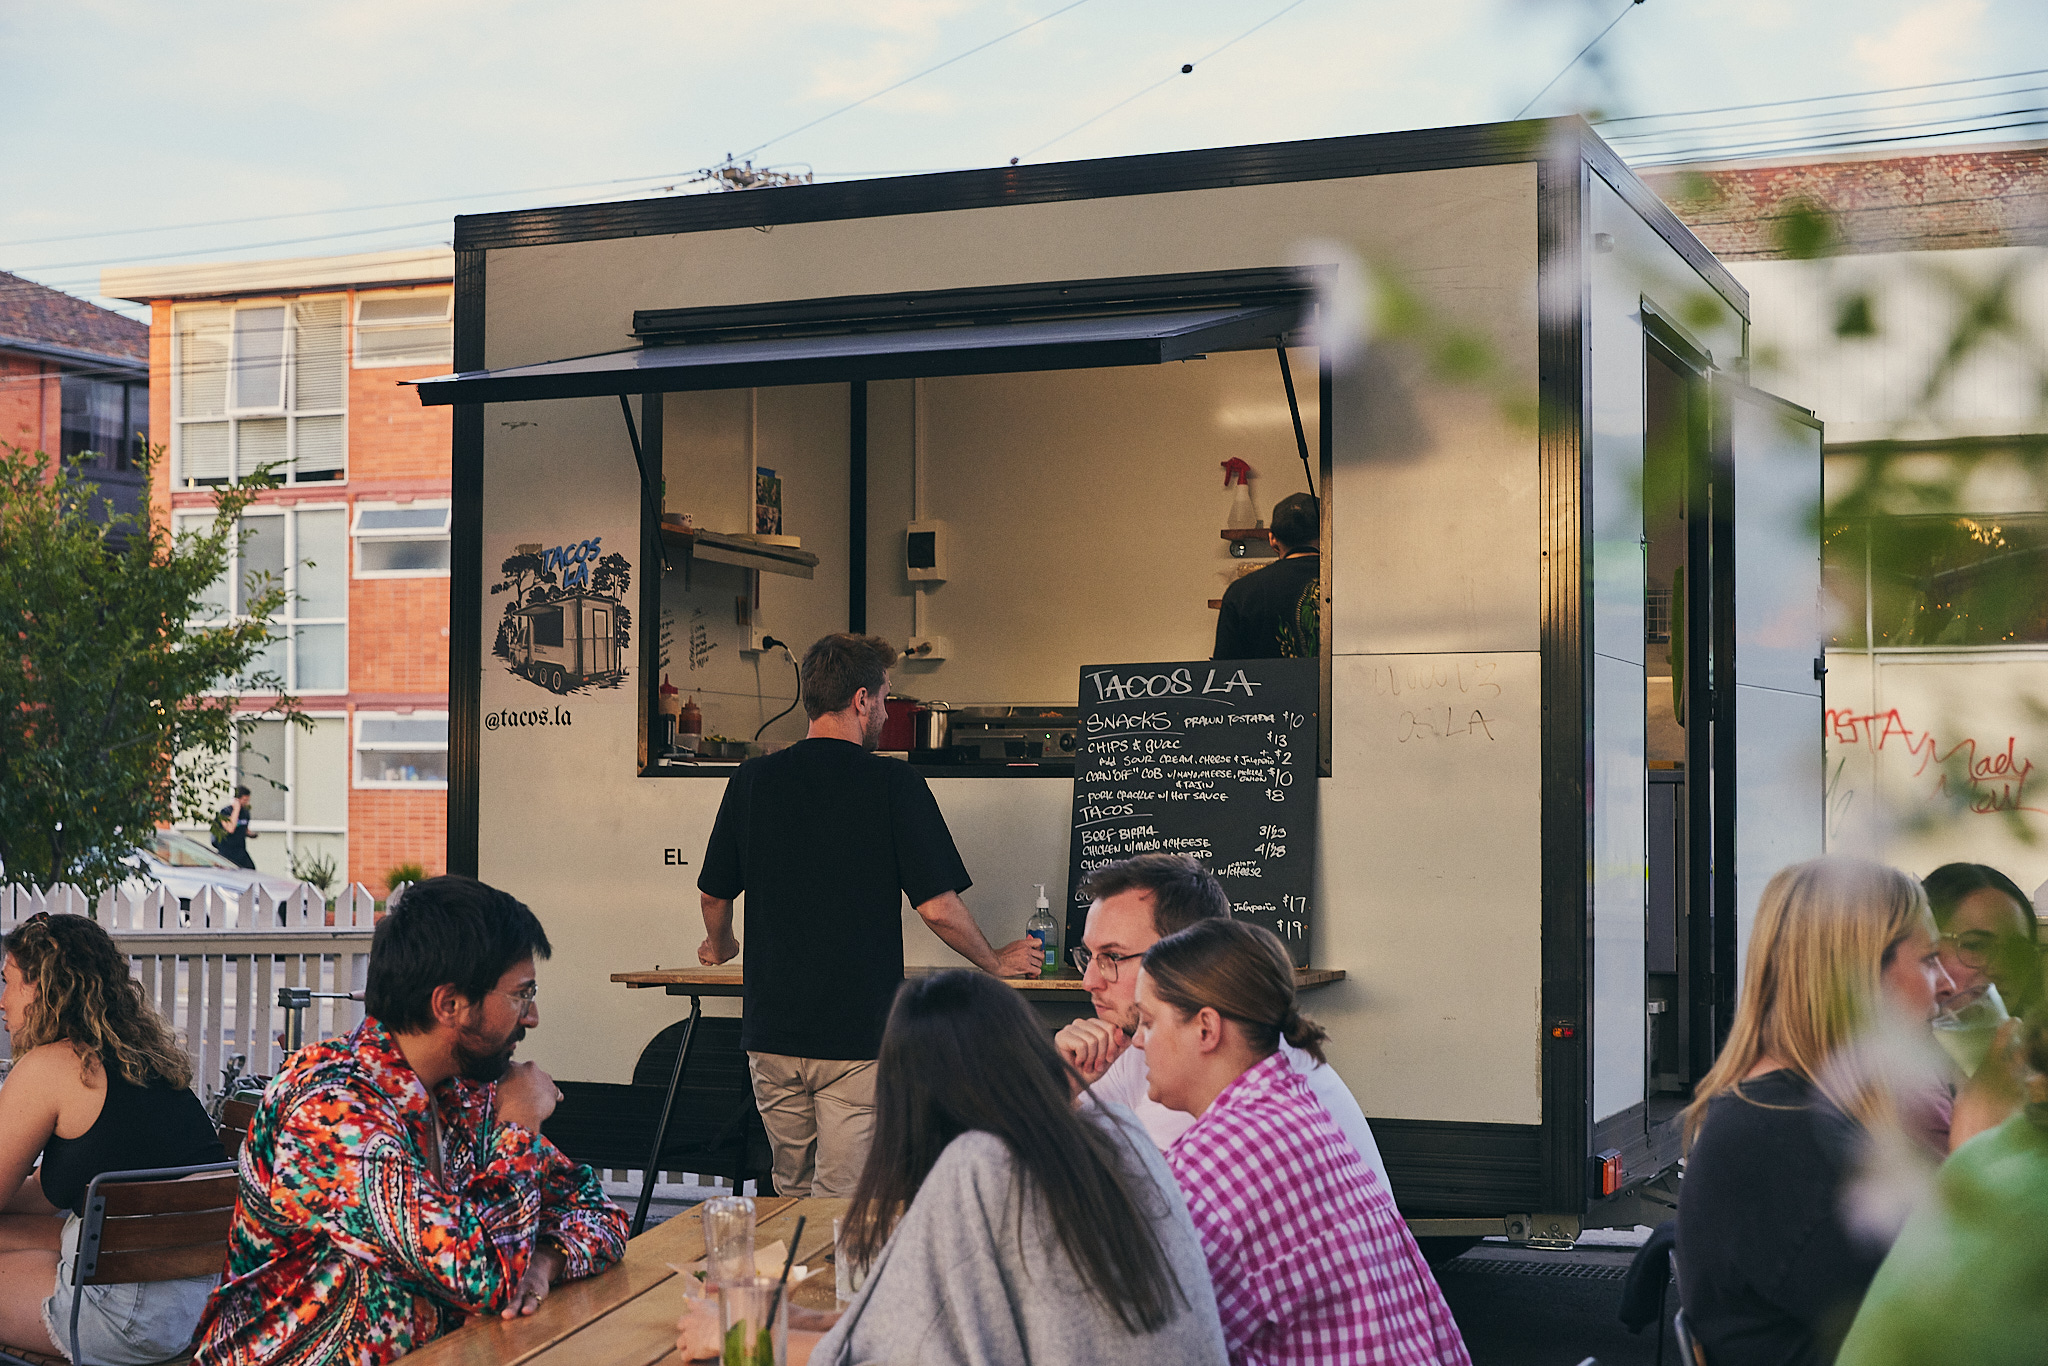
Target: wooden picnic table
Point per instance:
(627, 1316)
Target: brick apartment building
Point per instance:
(74, 381)
(297, 364)
(1938, 656)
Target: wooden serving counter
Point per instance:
(732, 981)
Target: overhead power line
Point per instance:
(1847, 140)
(1575, 61)
(1185, 69)
(1825, 114)
(918, 76)
(1817, 99)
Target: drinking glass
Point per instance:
(728, 1239)
(846, 1278)
(751, 1339)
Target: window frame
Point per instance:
(290, 621)
(291, 827)
(358, 747)
(358, 328)
(232, 416)
(357, 535)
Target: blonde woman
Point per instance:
(99, 1084)
(1770, 1269)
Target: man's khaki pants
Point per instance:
(820, 1117)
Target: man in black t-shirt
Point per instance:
(826, 838)
(1277, 612)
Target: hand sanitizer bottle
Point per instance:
(1045, 930)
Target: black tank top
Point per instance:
(158, 1125)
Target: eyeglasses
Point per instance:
(1972, 948)
(523, 997)
(1109, 961)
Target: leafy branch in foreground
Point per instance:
(117, 698)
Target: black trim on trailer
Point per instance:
(654, 568)
(848, 351)
(1261, 287)
(857, 507)
(1721, 512)
(1326, 460)
(1428, 149)
(1659, 323)
(1563, 398)
(465, 576)
(1443, 1168)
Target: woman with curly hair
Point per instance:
(99, 1084)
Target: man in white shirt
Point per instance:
(1136, 903)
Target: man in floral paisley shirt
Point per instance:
(395, 1182)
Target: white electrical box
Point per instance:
(924, 552)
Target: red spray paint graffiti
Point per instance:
(1993, 779)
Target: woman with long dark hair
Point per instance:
(99, 1084)
(1310, 1261)
(999, 1223)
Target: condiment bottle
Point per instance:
(691, 725)
(667, 706)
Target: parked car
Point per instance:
(182, 866)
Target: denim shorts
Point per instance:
(123, 1325)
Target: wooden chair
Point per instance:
(237, 1113)
(156, 1224)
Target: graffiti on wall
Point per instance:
(1969, 775)
(566, 626)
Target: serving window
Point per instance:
(1016, 528)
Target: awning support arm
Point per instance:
(1293, 409)
(652, 508)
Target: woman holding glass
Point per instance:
(999, 1223)
(1310, 1260)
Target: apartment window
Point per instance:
(401, 750)
(106, 418)
(260, 384)
(401, 540)
(405, 329)
(305, 550)
(298, 793)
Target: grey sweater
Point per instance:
(957, 1284)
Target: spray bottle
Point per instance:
(1045, 930)
(1242, 516)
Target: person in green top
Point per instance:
(1967, 1280)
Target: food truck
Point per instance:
(1569, 711)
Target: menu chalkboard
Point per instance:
(1214, 759)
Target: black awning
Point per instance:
(974, 348)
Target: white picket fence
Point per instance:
(212, 967)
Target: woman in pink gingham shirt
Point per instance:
(1311, 1262)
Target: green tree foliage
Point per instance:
(117, 712)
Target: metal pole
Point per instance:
(668, 1105)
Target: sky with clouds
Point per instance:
(128, 119)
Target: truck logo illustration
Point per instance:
(565, 626)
